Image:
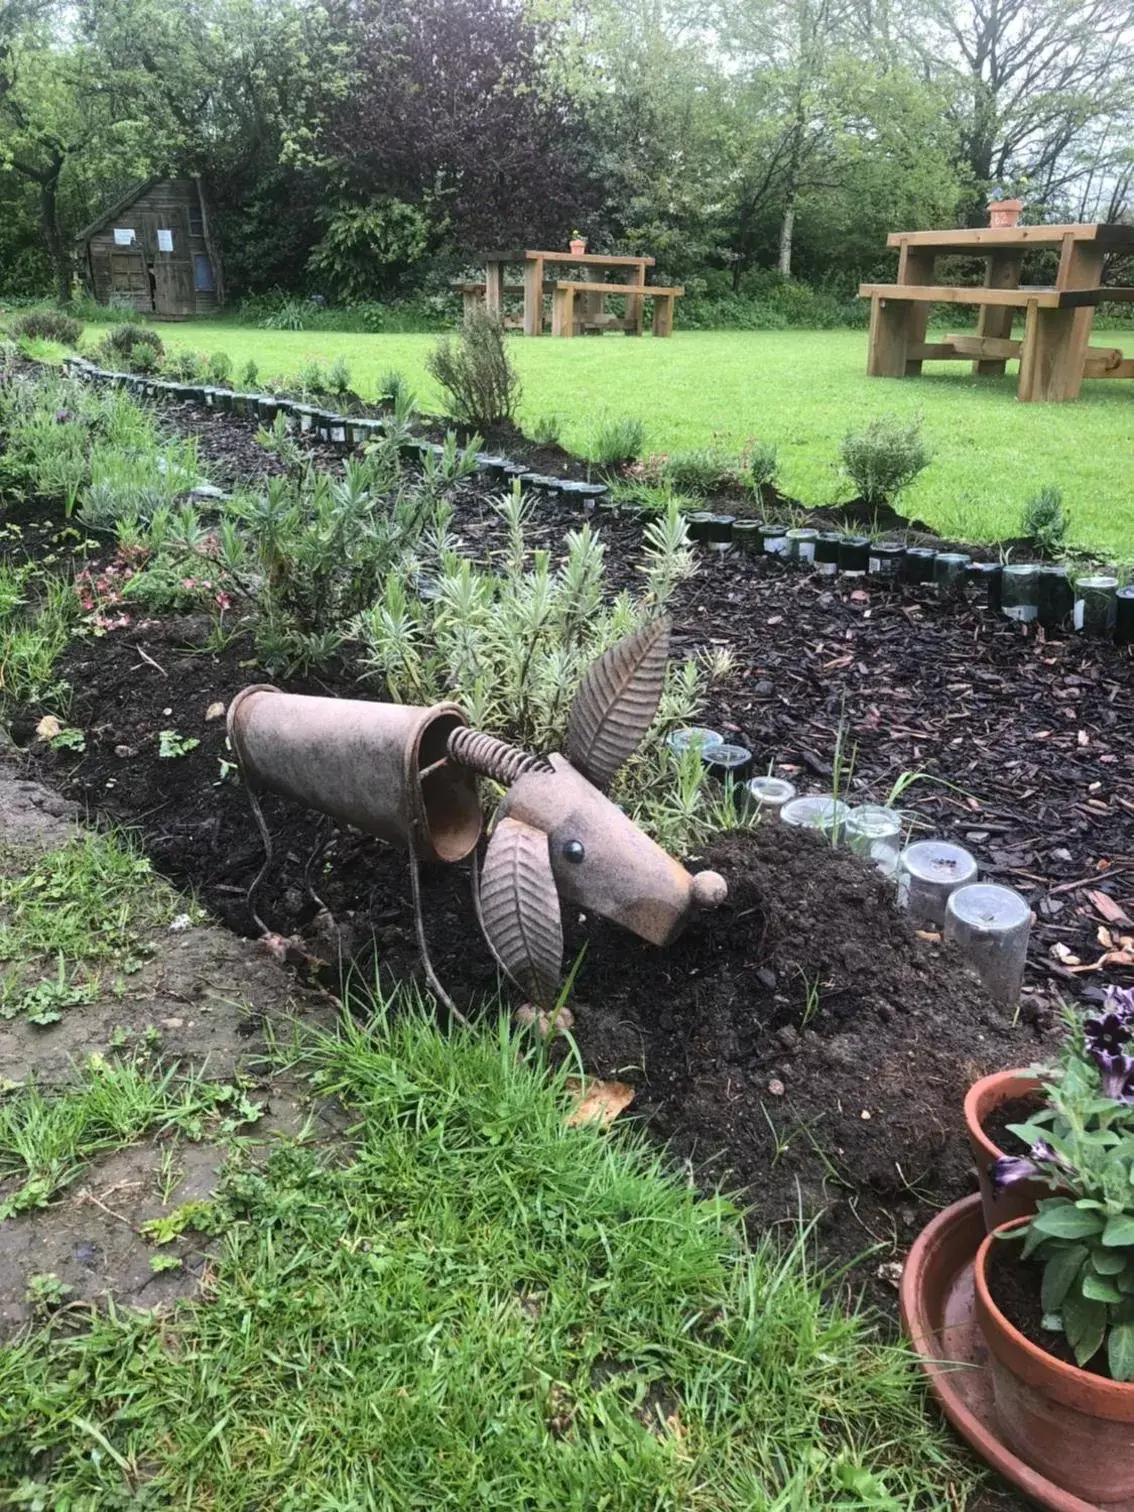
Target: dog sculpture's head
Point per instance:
(559, 838)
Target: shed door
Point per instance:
(167, 238)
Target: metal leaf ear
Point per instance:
(616, 703)
(519, 907)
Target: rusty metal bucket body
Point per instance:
(381, 767)
(623, 875)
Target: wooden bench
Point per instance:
(1052, 361)
(472, 298)
(563, 320)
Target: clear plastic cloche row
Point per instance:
(936, 882)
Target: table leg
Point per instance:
(563, 312)
(889, 337)
(1002, 271)
(533, 297)
(663, 315)
(1052, 356)
(635, 305)
(1080, 267)
(494, 288)
(915, 266)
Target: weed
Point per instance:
(46, 1293)
(884, 458)
(171, 744)
(479, 379)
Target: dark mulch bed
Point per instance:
(853, 1106)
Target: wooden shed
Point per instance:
(153, 251)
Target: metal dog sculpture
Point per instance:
(408, 775)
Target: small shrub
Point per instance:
(616, 439)
(46, 325)
(760, 464)
(1045, 521)
(546, 430)
(700, 470)
(885, 458)
(291, 315)
(220, 368)
(312, 379)
(184, 367)
(482, 387)
(338, 377)
(123, 343)
(250, 374)
(394, 388)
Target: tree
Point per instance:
(449, 110)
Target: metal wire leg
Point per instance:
(419, 925)
(265, 836)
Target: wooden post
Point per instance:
(1002, 271)
(635, 304)
(915, 266)
(563, 312)
(663, 314)
(533, 297)
(494, 288)
(886, 355)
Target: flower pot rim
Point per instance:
(1006, 204)
(1082, 1389)
(976, 1108)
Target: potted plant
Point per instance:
(985, 1098)
(1003, 208)
(1057, 1313)
(578, 244)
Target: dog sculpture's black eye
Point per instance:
(573, 850)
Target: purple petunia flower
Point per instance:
(1009, 1169)
(1120, 1003)
(1108, 1035)
(1117, 1078)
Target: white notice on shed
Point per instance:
(123, 238)
(165, 241)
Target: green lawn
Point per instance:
(800, 390)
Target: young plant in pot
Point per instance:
(1055, 1291)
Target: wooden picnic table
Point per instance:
(585, 302)
(1055, 352)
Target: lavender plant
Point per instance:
(1082, 1145)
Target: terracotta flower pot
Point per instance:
(1003, 213)
(578, 246)
(1072, 1426)
(981, 1100)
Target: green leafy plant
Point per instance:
(616, 439)
(1045, 522)
(884, 459)
(477, 374)
(250, 374)
(124, 345)
(312, 379)
(1082, 1145)
(68, 739)
(171, 744)
(46, 1293)
(394, 388)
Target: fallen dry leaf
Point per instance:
(1063, 955)
(214, 711)
(597, 1101)
(48, 727)
(1111, 911)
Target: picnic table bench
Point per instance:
(587, 298)
(1055, 354)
